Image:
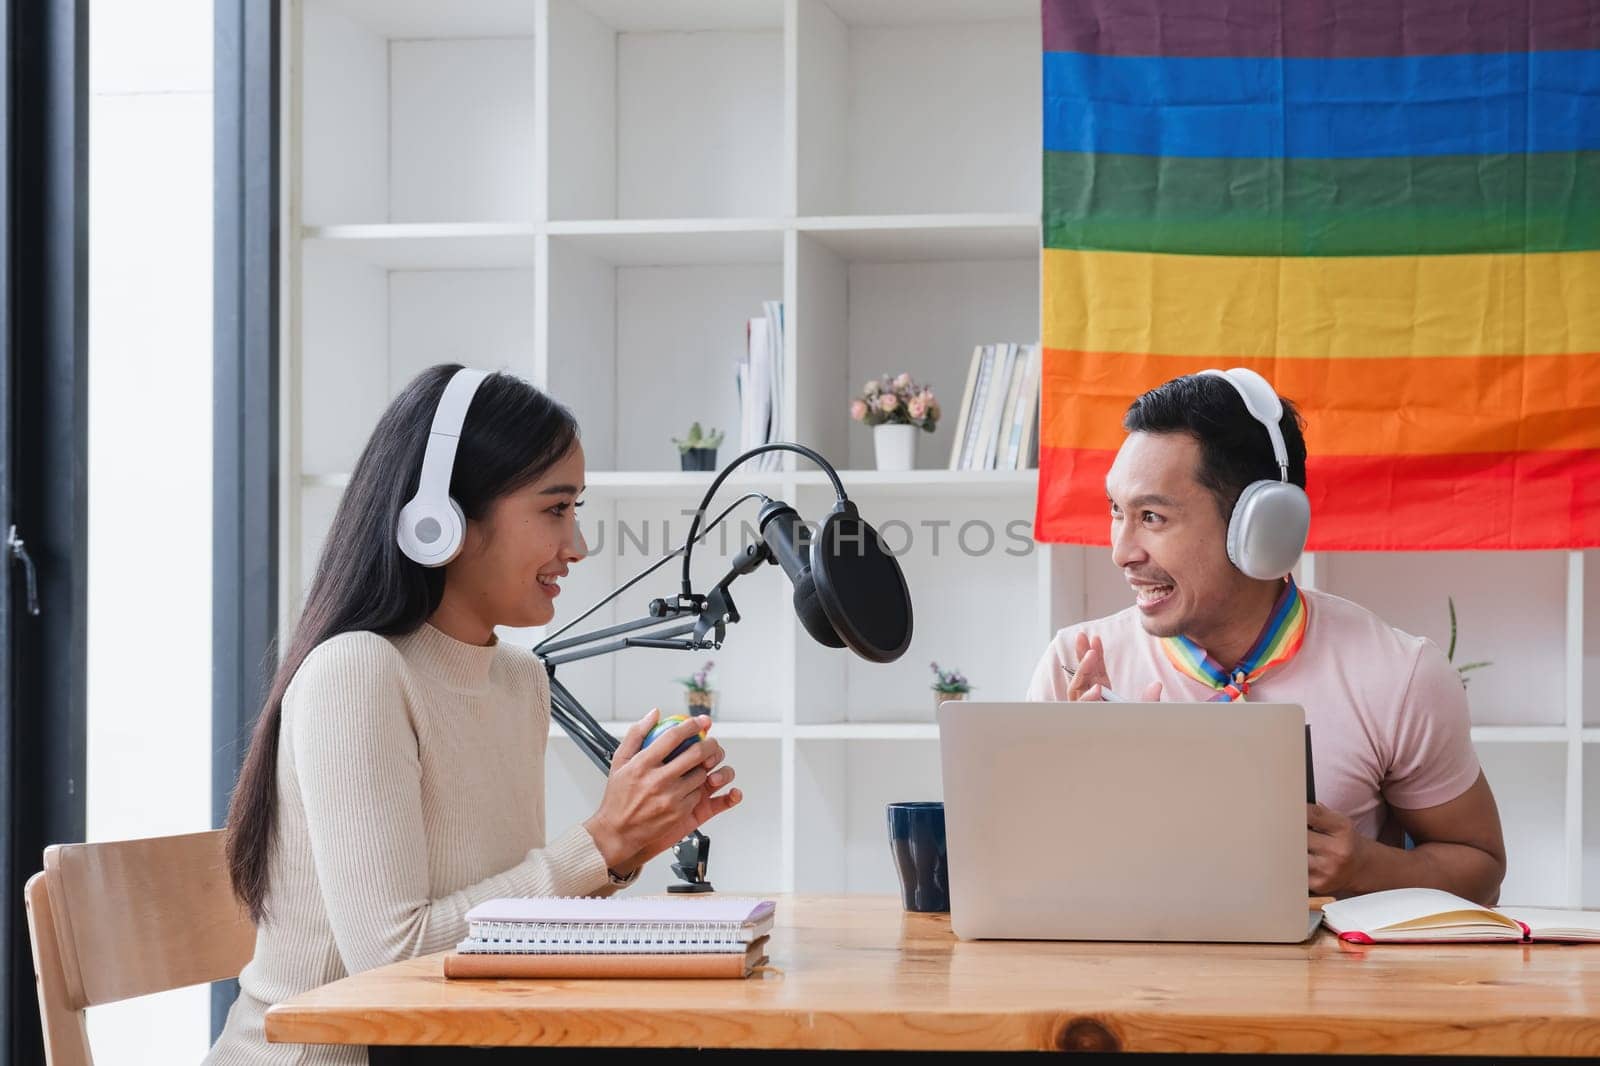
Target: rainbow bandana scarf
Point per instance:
(1280, 639)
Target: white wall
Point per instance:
(150, 203)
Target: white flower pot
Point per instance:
(895, 446)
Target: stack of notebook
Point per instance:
(548, 936)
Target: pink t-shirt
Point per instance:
(1388, 715)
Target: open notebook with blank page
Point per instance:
(1428, 915)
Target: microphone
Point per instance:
(849, 590)
(790, 541)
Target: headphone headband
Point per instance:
(1262, 401)
(439, 459)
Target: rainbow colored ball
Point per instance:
(665, 724)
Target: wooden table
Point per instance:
(860, 973)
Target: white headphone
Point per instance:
(1267, 530)
(431, 526)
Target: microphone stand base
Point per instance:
(691, 852)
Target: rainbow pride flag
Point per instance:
(1390, 208)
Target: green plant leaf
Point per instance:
(1451, 654)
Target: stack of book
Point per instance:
(759, 377)
(551, 936)
(998, 425)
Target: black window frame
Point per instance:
(44, 126)
(244, 563)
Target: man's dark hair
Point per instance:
(1234, 447)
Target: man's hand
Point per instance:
(1091, 676)
(1335, 852)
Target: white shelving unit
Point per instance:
(595, 195)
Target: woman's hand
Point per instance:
(650, 803)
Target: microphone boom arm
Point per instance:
(713, 611)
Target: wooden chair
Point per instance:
(126, 918)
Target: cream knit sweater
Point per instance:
(410, 787)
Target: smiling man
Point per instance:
(1393, 750)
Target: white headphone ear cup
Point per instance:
(1267, 530)
(405, 534)
(429, 535)
(1236, 523)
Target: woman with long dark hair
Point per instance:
(395, 777)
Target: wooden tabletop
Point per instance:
(859, 972)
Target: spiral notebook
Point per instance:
(716, 936)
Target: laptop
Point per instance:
(1126, 821)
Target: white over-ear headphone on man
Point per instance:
(1267, 530)
(432, 526)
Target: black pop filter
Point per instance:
(860, 586)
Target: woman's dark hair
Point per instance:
(1234, 448)
(512, 435)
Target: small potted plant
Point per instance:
(698, 450)
(697, 687)
(948, 685)
(896, 408)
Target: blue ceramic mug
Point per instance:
(916, 839)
